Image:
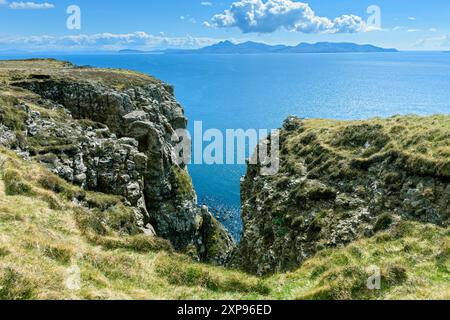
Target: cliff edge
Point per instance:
(341, 181)
(92, 203)
(110, 131)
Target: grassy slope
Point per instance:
(19, 69)
(423, 141)
(43, 236)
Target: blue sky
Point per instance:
(143, 24)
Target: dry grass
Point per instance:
(43, 245)
(42, 69)
(422, 142)
(412, 258)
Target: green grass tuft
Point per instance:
(41, 243)
(15, 286)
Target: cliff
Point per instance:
(109, 131)
(54, 248)
(341, 181)
(93, 206)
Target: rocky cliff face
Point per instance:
(110, 131)
(341, 181)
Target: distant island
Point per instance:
(133, 51)
(249, 47)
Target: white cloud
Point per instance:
(412, 18)
(103, 41)
(412, 30)
(270, 15)
(206, 3)
(31, 5)
(438, 42)
(188, 18)
(433, 30)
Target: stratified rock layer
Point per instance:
(110, 131)
(340, 181)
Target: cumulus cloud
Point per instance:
(270, 15)
(103, 41)
(31, 5)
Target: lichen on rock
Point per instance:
(340, 181)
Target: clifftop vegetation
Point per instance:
(92, 205)
(340, 181)
(51, 248)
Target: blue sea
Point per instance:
(260, 91)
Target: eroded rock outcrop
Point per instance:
(110, 131)
(340, 181)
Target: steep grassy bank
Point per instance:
(52, 248)
(93, 204)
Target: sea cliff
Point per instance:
(110, 131)
(93, 204)
(340, 181)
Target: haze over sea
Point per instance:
(260, 91)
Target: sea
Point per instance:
(258, 91)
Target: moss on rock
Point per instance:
(340, 181)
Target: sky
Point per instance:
(86, 25)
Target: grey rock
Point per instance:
(118, 140)
(321, 199)
(7, 137)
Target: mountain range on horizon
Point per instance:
(250, 47)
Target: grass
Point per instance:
(12, 117)
(183, 183)
(420, 142)
(42, 245)
(409, 257)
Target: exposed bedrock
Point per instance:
(115, 136)
(340, 181)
